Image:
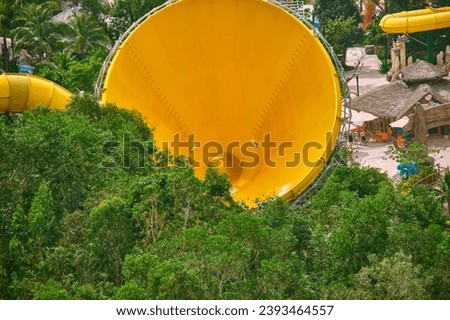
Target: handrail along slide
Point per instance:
(335, 159)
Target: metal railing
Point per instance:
(433, 178)
(335, 159)
(294, 6)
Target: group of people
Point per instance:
(356, 138)
(399, 139)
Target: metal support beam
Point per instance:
(430, 46)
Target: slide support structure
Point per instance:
(430, 47)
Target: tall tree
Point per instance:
(110, 237)
(124, 12)
(392, 278)
(43, 222)
(340, 23)
(84, 34)
(326, 10)
(6, 14)
(342, 33)
(35, 31)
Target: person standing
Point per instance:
(363, 137)
(356, 138)
(350, 140)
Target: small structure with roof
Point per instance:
(421, 85)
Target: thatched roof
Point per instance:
(383, 101)
(421, 91)
(396, 99)
(442, 90)
(422, 71)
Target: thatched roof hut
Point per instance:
(420, 82)
(420, 72)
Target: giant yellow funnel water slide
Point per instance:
(416, 20)
(241, 85)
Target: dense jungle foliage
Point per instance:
(80, 222)
(85, 215)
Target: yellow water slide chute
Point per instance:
(19, 92)
(416, 21)
(244, 86)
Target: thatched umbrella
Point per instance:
(400, 123)
(358, 118)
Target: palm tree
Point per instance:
(6, 12)
(84, 34)
(35, 31)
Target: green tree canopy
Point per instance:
(34, 30)
(125, 12)
(84, 34)
(326, 10)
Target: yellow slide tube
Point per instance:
(416, 20)
(238, 84)
(19, 92)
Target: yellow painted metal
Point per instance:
(416, 20)
(19, 92)
(232, 72)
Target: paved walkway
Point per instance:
(442, 146)
(376, 155)
(369, 76)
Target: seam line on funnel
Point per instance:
(287, 73)
(160, 94)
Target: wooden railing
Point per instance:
(433, 178)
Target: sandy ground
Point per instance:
(376, 154)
